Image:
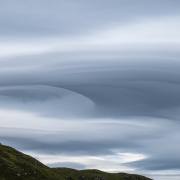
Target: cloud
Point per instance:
(68, 17)
(92, 84)
(45, 100)
(67, 107)
(64, 138)
(146, 34)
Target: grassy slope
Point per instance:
(18, 166)
(95, 175)
(15, 165)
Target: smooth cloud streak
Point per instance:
(144, 34)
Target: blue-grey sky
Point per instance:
(92, 84)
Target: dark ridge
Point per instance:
(15, 165)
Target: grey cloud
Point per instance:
(116, 89)
(156, 164)
(46, 100)
(138, 139)
(65, 17)
(85, 138)
(136, 92)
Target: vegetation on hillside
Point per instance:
(15, 165)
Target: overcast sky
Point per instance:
(92, 84)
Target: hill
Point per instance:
(93, 174)
(15, 165)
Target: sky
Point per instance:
(92, 84)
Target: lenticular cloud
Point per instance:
(92, 84)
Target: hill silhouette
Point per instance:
(15, 165)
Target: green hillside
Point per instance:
(72, 174)
(15, 165)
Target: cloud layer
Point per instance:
(89, 92)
